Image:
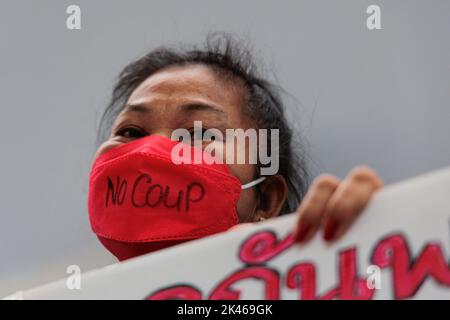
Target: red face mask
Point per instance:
(140, 201)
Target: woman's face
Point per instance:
(174, 98)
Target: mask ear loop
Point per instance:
(253, 183)
(256, 183)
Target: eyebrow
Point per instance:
(188, 107)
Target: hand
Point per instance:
(334, 205)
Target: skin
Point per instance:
(177, 96)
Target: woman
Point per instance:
(219, 85)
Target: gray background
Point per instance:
(365, 97)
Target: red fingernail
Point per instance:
(330, 230)
(302, 231)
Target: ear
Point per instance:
(273, 194)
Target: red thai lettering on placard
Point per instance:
(302, 277)
(409, 274)
(352, 287)
(269, 277)
(330, 294)
(263, 246)
(177, 292)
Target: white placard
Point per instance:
(398, 249)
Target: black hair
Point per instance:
(232, 59)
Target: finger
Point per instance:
(348, 201)
(312, 208)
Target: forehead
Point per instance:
(188, 83)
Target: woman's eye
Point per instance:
(131, 133)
